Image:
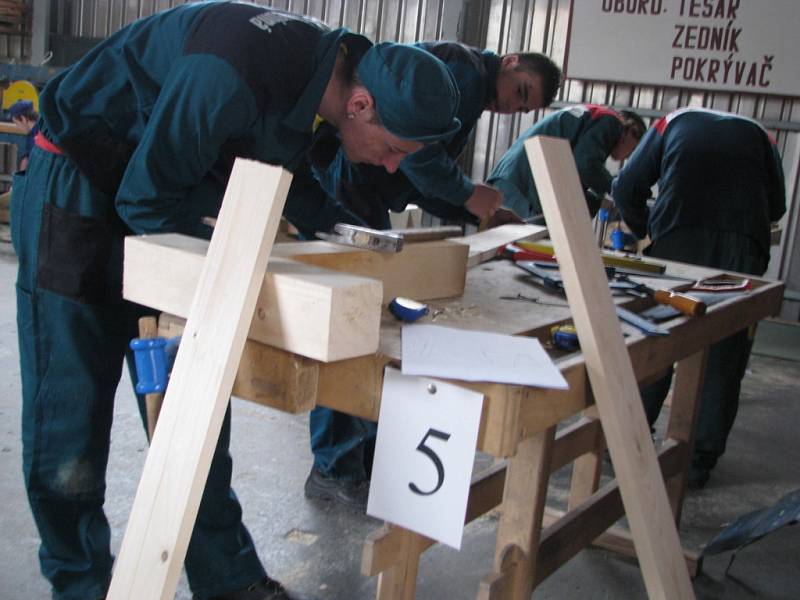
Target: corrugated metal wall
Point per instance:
(503, 26)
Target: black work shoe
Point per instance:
(697, 478)
(352, 494)
(268, 589)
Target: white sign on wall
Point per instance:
(736, 45)
(424, 453)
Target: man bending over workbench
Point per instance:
(140, 136)
(431, 178)
(720, 184)
(594, 133)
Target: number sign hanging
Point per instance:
(424, 453)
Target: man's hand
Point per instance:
(503, 216)
(485, 200)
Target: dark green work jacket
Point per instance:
(592, 132)
(155, 114)
(715, 171)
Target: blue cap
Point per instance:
(415, 93)
(20, 108)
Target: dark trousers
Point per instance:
(74, 329)
(343, 445)
(727, 359)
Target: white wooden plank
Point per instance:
(610, 370)
(176, 469)
(422, 270)
(301, 308)
(483, 245)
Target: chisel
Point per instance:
(688, 305)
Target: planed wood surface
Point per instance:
(421, 271)
(171, 486)
(610, 370)
(484, 245)
(301, 308)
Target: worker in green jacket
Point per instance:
(431, 178)
(594, 133)
(139, 136)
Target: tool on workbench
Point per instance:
(533, 299)
(633, 262)
(516, 253)
(407, 310)
(537, 219)
(153, 359)
(602, 226)
(684, 303)
(722, 283)
(427, 234)
(551, 279)
(363, 237)
(645, 326)
(565, 337)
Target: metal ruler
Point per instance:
(640, 323)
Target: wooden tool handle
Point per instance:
(688, 305)
(148, 328)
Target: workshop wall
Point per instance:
(503, 26)
(14, 48)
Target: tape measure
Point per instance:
(407, 310)
(565, 337)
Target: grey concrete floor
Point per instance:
(316, 548)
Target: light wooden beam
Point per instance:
(610, 370)
(169, 493)
(484, 245)
(301, 308)
(421, 271)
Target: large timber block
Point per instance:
(301, 308)
(422, 270)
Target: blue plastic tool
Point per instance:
(565, 337)
(153, 358)
(407, 310)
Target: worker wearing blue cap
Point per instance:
(139, 136)
(24, 116)
(431, 178)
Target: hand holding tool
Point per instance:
(363, 237)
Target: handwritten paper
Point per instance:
(437, 351)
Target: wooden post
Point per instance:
(148, 328)
(683, 412)
(610, 370)
(520, 527)
(169, 493)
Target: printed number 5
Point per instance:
(436, 461)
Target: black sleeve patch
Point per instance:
(272, 50)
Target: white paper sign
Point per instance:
(424, 455)
(708, 44)
(478, 356)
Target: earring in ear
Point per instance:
(351, 115)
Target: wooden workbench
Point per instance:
(518, 423)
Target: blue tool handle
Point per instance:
(153, 358)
